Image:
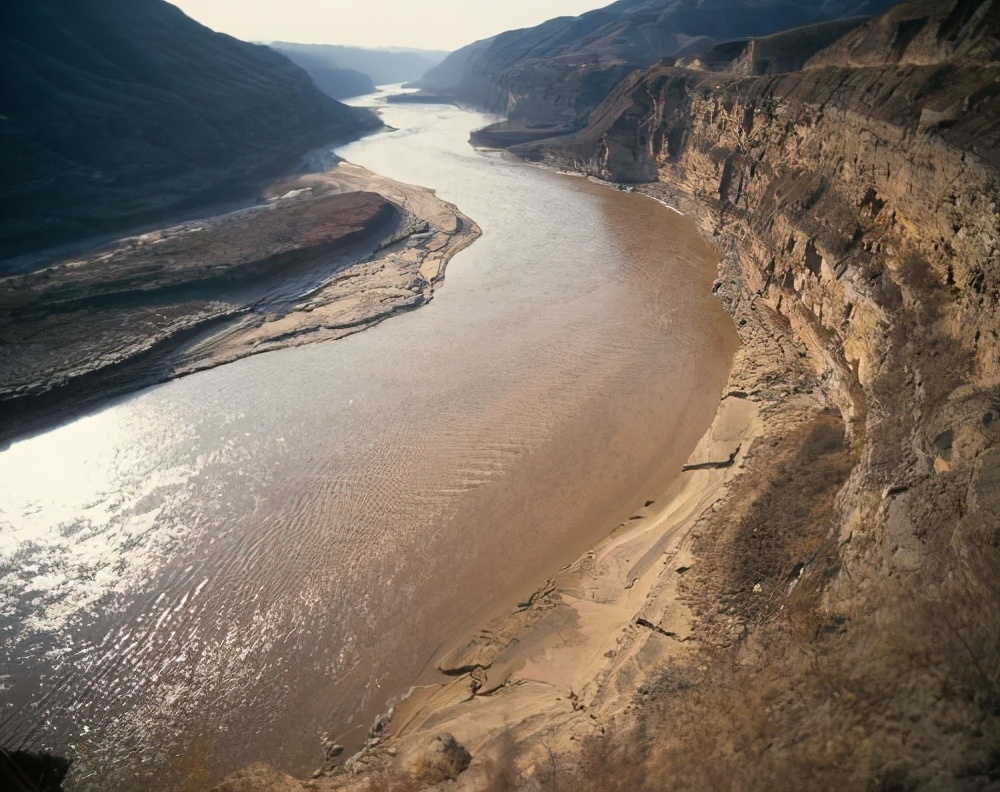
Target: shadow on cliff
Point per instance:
(24, 771)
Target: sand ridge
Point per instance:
(401, 274)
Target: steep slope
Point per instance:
(116, 112)
(548, 78)
(788, 50)
(383, 66)
(830, 615)
(333, 80)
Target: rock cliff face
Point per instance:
(118, 112)
(548, 78)
(858, 201)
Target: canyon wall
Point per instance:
(547, 79)
(824, 612)
(856, 199)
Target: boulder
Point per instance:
(444, 759)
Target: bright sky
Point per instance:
(427, 24)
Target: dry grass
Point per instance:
(895, 691)
(895, 688)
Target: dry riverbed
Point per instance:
(322, 256)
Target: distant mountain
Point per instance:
(548, 78)
(383, 66)
(340, 83)
(119, 112)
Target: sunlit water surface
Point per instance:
(219, 570)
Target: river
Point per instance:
(220, 569)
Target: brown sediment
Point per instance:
(562, 664)
(327, 255)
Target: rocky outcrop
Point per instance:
(789, 50)
(819, 611)
(120, 112)
(261, 778)
(548, 78)
(444, 759)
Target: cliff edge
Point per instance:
(547, 79)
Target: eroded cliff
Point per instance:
(548, 78)
(855, 561)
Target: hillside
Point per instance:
(548, 78)
(333, 80)
(382, 66)
(120, 112)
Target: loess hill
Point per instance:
(548, 78)
(120, 112)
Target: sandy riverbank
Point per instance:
(566, 663)
(322, 256)
(571, 661)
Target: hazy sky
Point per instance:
(429, 24)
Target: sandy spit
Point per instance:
(400, 275)
(325, 255)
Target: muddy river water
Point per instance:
(221, 569)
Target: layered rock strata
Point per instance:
(829, 606)
(547, 79)
(814, 604)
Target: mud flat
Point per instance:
(322, 256)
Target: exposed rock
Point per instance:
(443, 760)
(857, 201)
(379, 725)
(713, 464)
(331, 750)
(548, 78)
(259, 778)
(790, 50)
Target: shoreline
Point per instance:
(570, 662)
(164, 320)
(563, 665)
(859, 512)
